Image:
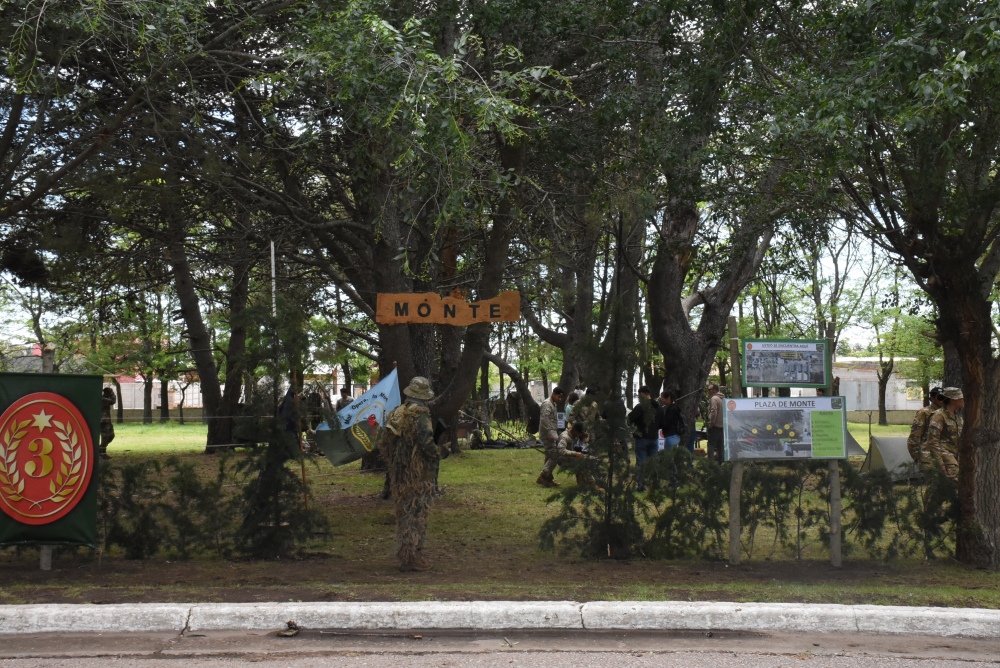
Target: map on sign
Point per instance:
(785, 363)
(785, 428)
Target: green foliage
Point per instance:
(685, 504)
(145, 507)
(276, 516)
(685, 511)
(130, 501)
(598, 515)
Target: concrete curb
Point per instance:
(367, 616)
(814, 618)
(501, 615)
(108, 618)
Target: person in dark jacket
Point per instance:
(671, 422)
(645, 428)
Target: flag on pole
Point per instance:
(360, 423)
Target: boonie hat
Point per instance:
(952, 393)
(419, 388)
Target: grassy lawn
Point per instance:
(483, 540)
(132, 438)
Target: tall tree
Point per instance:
(903, 97)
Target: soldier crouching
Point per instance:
(562, 453)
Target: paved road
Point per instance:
(548, 649)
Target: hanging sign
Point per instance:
(430, 308)
(786, 363)
(48, 482)
(785, 428)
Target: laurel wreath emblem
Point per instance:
(68, 474)
(10, 478)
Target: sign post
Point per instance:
(736, 481)
(788, 428)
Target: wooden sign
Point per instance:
(429, 308)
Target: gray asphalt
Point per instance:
(548, 649)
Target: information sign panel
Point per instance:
(786, 363)
(785, 428)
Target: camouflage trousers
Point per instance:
(941, 459)
(411, 522)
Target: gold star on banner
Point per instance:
(43, 421)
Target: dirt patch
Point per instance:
(459, 574)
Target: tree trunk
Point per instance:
(120, 409)
(965, 320)
(884, 374)
(235, 354)
(164, 398)
(147, 399)
(199, 339)
(952, 365)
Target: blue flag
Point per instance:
(360, 423)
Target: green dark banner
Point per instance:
(49, 433)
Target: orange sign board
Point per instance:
(430, 308)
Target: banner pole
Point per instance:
(736, 481)
(48, 366)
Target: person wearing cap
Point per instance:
(918, 428)
(562, 452)
(548, 427)
(408, 447)
(940, 449)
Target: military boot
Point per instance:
(417, 564)
(546, 480)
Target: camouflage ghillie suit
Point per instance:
(940, 449)
(407, 445)
(918, 431)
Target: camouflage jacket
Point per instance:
(940, 448)
(548, 427)
(918, 431)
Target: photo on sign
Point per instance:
(785, 363)
(785, 428)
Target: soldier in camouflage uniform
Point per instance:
(407, 445)
(921, 420)
(940, 450)
(586, 410)
(548, 431)
(561, 452)
(918, 429)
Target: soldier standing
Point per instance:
(940, 450)
(921, 420)
(408, 447)
(548, 431)
(107, 426)
(713, 425)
